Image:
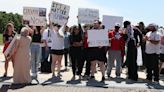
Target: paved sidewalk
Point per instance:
(49, 84)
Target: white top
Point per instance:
(152, 48)
(57, 41)
(47, 36)
(162, 44)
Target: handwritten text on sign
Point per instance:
(59, 13)
(87, 16)
(98, 38)
(35, 16)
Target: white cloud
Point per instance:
(16, 6)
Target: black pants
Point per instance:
(143, 54)
(77, 60)
(152, 62)
(66, 54)
(132, 61)
(88, 63)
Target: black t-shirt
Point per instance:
(36, 38)
(75, 38)
(8, 37)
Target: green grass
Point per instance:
(1, 39)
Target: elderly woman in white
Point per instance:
(22, 56)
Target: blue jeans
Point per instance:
(35, 57)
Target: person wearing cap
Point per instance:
(153, 39)
(114, 52)
(131, 35)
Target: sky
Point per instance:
(148, 11)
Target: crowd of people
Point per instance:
(36, 44)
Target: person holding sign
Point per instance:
(57, 47)
(7, 38)
(96, 55)
(35, 50)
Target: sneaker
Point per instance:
(109, 77)
(118, 77)
(80, 77)
(92, 77)
(103, 79)
(156, 82)
(5, 75)
(59, 75)
(73, 78)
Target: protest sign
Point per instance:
(87, 16)
(59, 13)
(34, 16)
(98, 38)
(110, 21)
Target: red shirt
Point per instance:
(85, 40)
(117, 42)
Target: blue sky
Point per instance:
(149, 11)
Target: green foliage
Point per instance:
(5, 18)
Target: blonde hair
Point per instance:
(24, 31)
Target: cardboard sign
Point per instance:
(98, 38)
(87, 16)
(110, 21)
(34, 16)
(59, 13)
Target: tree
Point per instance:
(5, 18)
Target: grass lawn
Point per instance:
(1, 39)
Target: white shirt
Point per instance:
(162, 44)
(47, 36)
(57, 41)
(152, 48)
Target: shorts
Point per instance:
(161, 57)
(97, 54)
(57, 52)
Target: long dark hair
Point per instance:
(7, 26)
(73, 30)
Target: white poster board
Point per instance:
(59, 13)
(98, 38)
(34, 16)
(87, 16)
(110, 21)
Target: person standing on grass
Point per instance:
(8, 36)
(153, 39)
